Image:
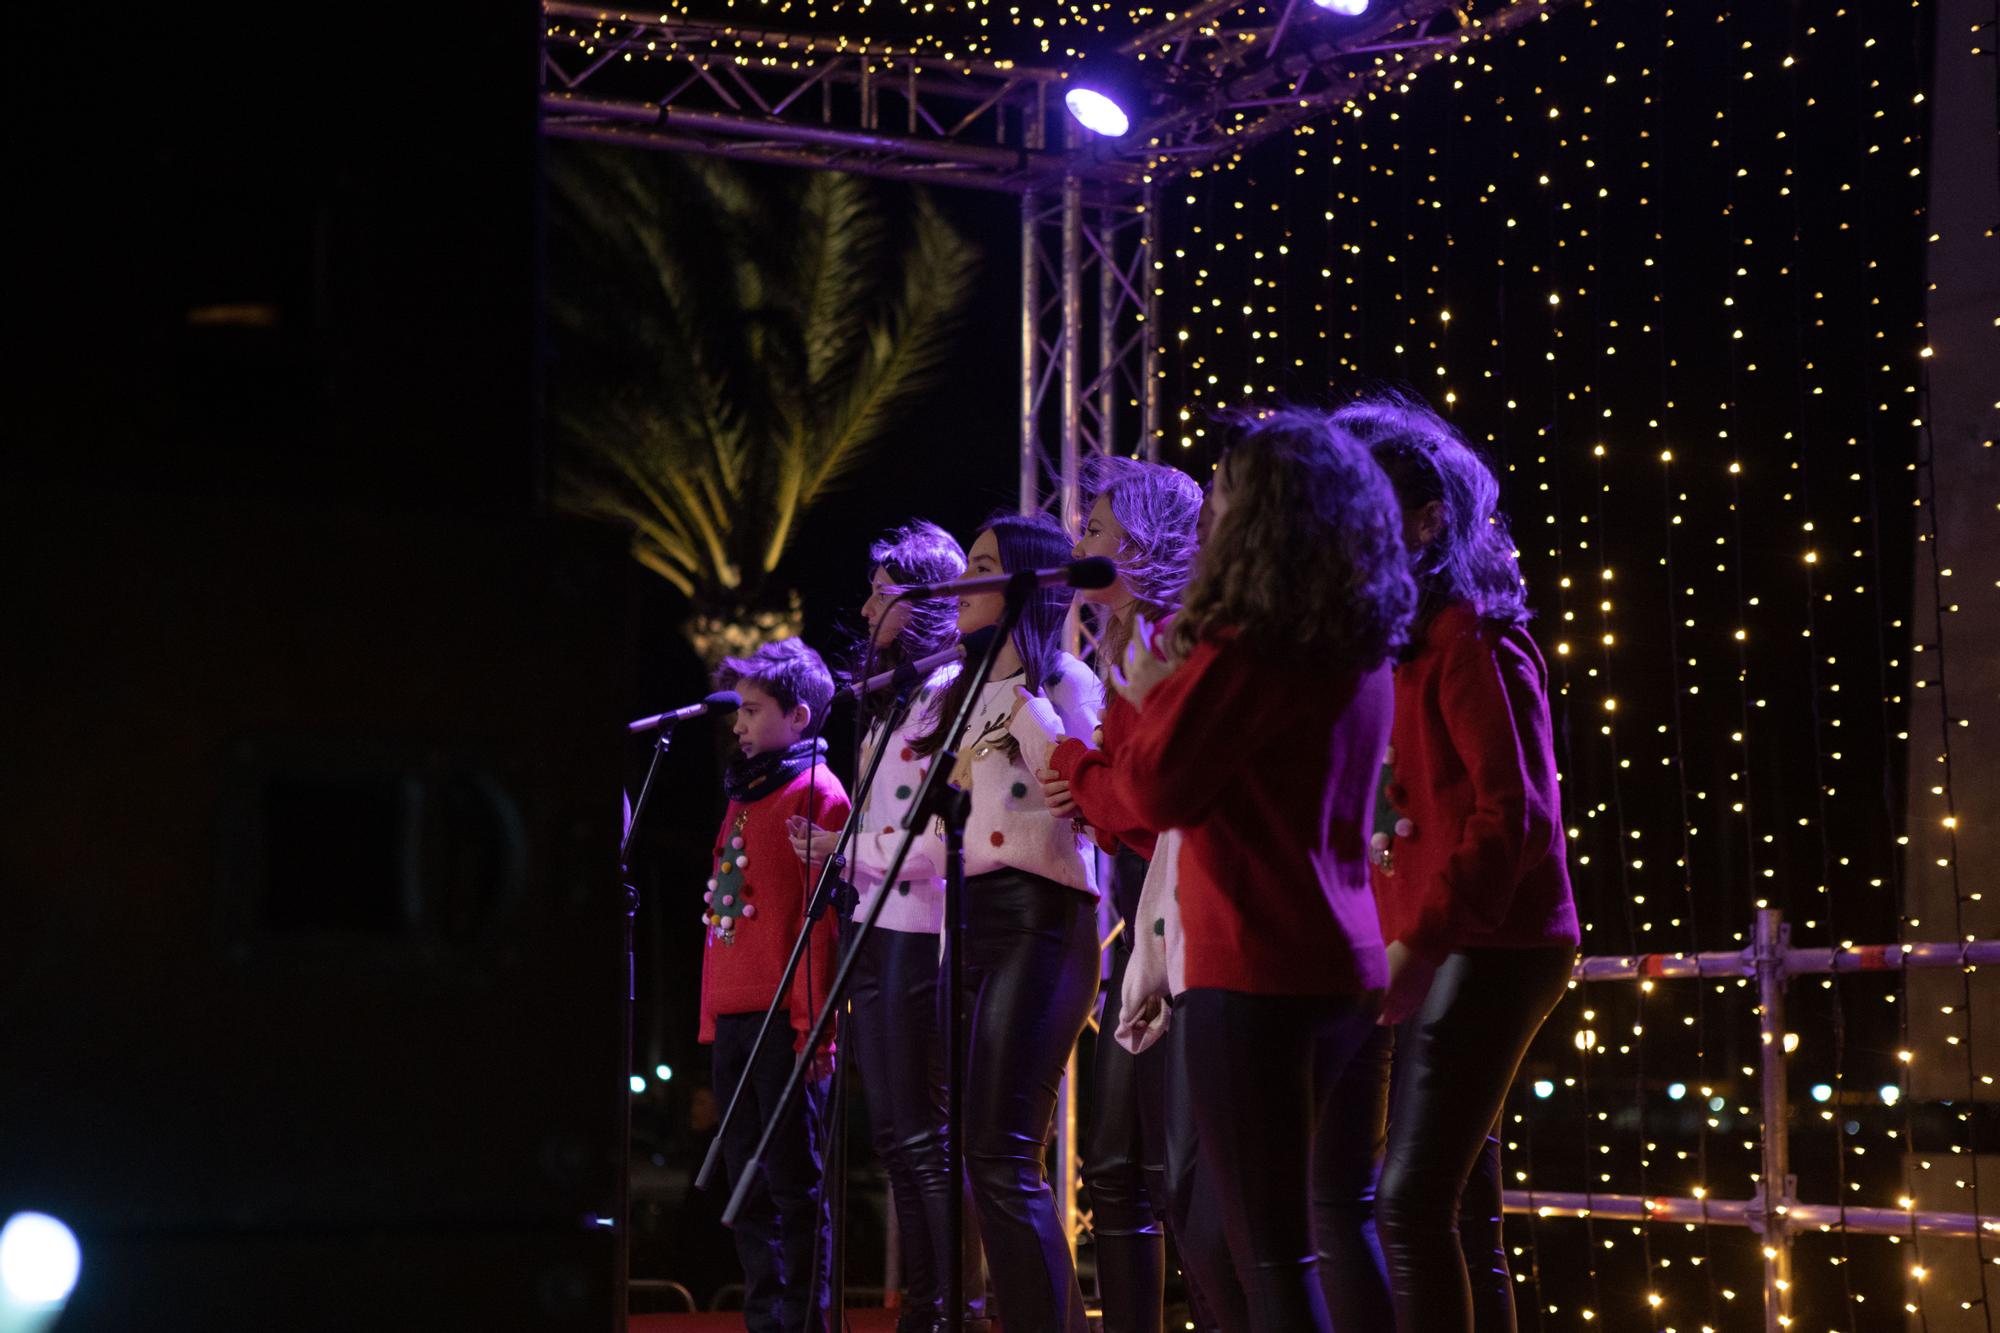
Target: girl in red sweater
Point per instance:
(1475, 898)
(1261, 740)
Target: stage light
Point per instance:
(663, 1072)
(1100, 112)
(1822, 1092)
(1544, 1088)
(1676, 1091)
(1349, 8)
(39, 1262)
(638, 1083)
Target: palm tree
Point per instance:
(731, 345)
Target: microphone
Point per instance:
(906, 676)
(1091, 572)
(722, 701)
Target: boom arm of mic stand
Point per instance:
(815, 908)
(935, 798)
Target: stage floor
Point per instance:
(731, 1321)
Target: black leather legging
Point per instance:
(1438, 1204)
(1030, 977)
(1124, 1170)
(898, 1049)
(1264, 1073)
(1194, 1214)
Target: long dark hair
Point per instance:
(917, 552)
(1307, 561)
(1472, 558)
(1033, 541)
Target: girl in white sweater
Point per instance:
(1030, 961)
(893, 1029)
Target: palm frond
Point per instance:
(903, 351)
(729, 345)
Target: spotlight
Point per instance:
(1676, 1091)
(1107, 92)
(1098, 112)
(39, 1263)
(663, 1072)
(1822, 1092)
(1544, 1088)
(638, 1083)
(1349, 8)
(1891, 1094)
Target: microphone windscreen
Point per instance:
(724, 701)
(1092, 572)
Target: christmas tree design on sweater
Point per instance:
(728, 897)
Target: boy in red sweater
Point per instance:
(755, 910)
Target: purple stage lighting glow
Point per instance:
(1097, 112)
(1351, 8)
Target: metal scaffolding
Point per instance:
(1774, 1211)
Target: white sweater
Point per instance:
(1011, 827)
(917, 904)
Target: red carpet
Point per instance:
(731, 1321)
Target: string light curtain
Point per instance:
(1664, 264)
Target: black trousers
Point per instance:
(783, 1225)
(1438, 1205)
(1124, 1168)
(1194, 1214)
(897, 1044)
(1265, 1074)
(1029, 979)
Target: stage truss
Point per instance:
(1089, 290)
(1242, 71)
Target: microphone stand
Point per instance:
(936, 798)
(623, 1223)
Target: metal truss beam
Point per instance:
(1090, 376)
(1226, 75)
(812, 101)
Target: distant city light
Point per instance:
(638, 1083)
(663, 1072)
(1891, 1094)
(1544, 1088)
(1676, 1091)
(1822, 1092)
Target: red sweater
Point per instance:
(1475, 774)
(740, 971)
(1269, 770)
(1098, 797)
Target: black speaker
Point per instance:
(312, 937)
